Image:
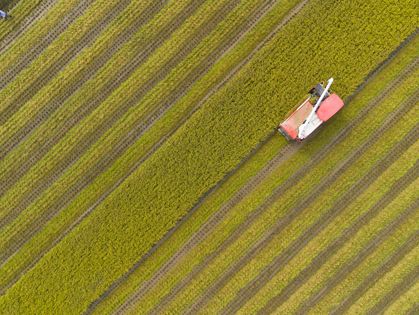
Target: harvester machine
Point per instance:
(317, 108)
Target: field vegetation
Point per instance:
(140, 171)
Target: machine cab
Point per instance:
(320, 105)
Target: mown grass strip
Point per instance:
(196, 191)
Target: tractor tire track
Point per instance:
(407, 282)
(380, 272)
(50, 72)
(276, 301)
(36, 50)
(26, 23)
(59, 205)
(295, 177)
(257, 283)
(91, 104)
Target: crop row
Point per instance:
(92, 160)
(110, 111)
(78, 36)
(73, 178)
(26, 48)
(197, 92)
(406, 303)
(297, 251)
(191, 225)
(58, 89)
(20, 11)
(263, 222)
(344, 232)
(206, 137)
(75, 68)
(288, 169)
(395, 246)
(291, 167)
(324, 276)
(78, 210)
(73, 110)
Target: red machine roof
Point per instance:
(329, 107)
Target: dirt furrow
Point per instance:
(250, 289)
(380, 272)
(322, 257)
(74, 192)
(26, 23)
(50, 72)
(36, 50)
(396, 292)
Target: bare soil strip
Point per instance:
(396, 292)
(321, 258)
(31, 55)
(384, 268)
(26, 23)
(252, 287)
(54, 69)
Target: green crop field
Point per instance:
(141, 171)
